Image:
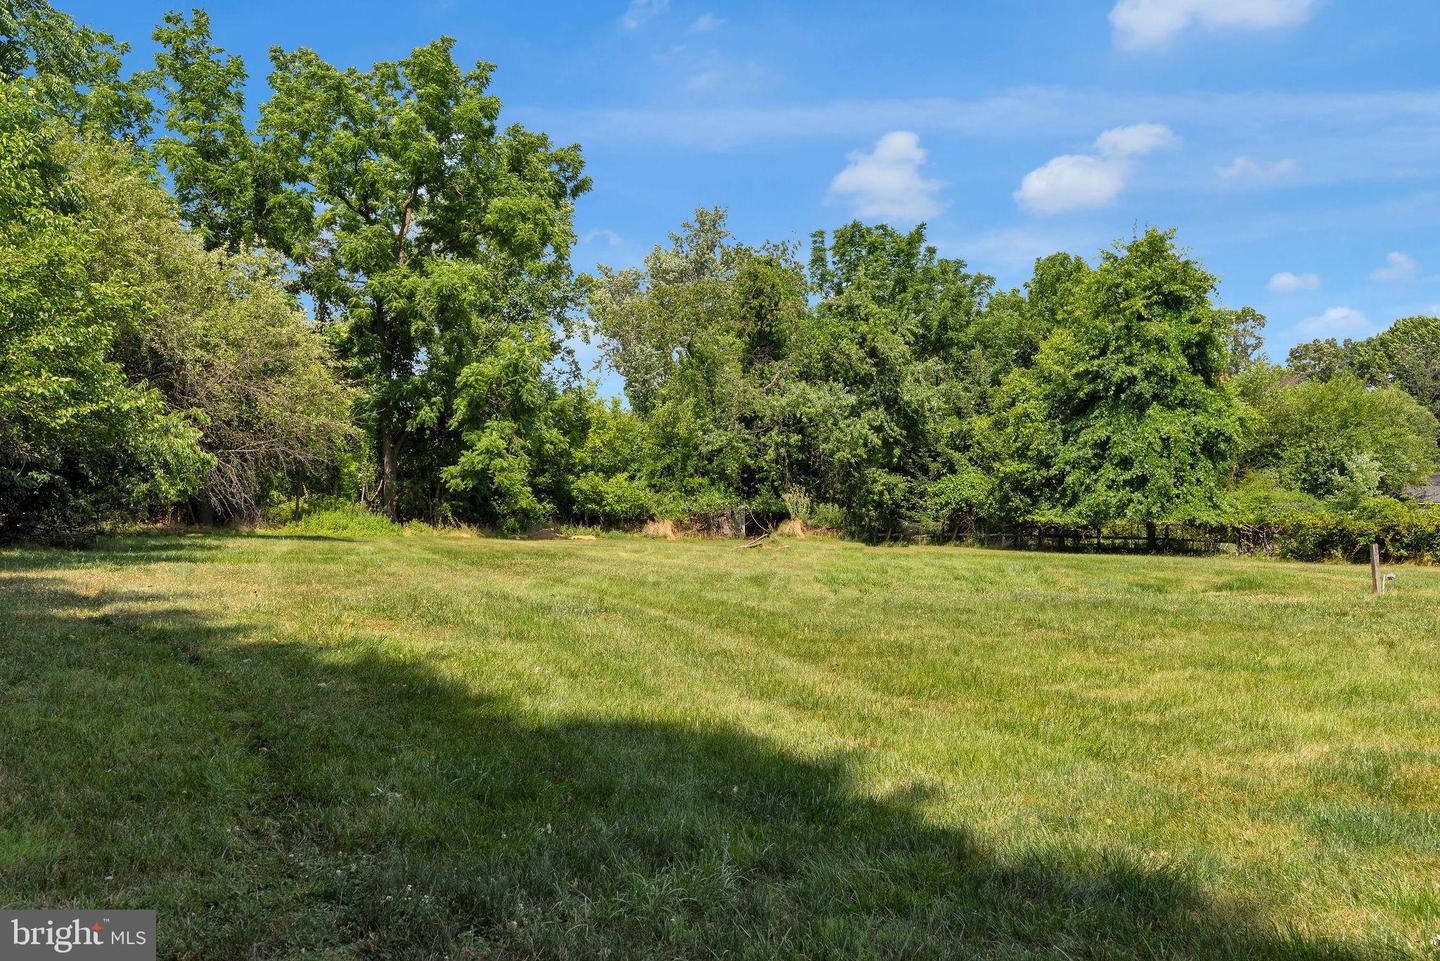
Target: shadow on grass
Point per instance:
(271, 799)
(112, 550)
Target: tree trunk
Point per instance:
(1151, 544)
(390, 472)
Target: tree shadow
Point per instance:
(130, 549)
(272, 799)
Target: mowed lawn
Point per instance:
(452, 747)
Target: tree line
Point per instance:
(362, 291)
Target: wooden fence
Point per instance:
(1089, 541)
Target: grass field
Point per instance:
(438, 746)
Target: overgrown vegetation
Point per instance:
(367, 295)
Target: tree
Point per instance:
(218, 335)
(1125, 416)
(1245, 339)
(1320, 437)
(211, 159)
(1407, 355)
(427, 239)
(895, 356)
(71, 72)
(1319, 358)
(703, 335)
(78, 444)
(647, 318)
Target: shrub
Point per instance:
(1404, 531)
(957, 502)
(612, 500)
(346, 520)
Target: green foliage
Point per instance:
(1320, 359)
(898, 356)
(218, 176)
(1404, 531)
(747, 393)
(1407, 356)
(1338, 436)
(961, 501)
(1125, 416)
(1246, 338)
(604, 489)
(1261, 502)
(218, 336)
(78, 444)
(436, 247)
(337, 520)
(71, 72)
(613, 501)
(702, 335)
(888, 388)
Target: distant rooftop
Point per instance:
(1428, 492)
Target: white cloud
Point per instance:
(610, 237)
(1244, 168)
(1146, 24)
(641, 10)
(887, 183)
(1285, 282)
(707, 22)
(1071, 182)
(715, 74)
(710, 72)
(1397, 267)
(1136, 140)
(1080, 181)
(1336, 322)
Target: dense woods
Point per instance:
(366, 297)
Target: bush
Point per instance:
(957, 502)
(704, 511)
(344, 520)
(612, 500)
(827, 517)
(1404, 531)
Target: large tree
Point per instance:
(428, 238)
(220, 181)
(72, 72)
(702, 335)
(1125, 416)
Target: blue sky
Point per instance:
(1294, 143)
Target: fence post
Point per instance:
(1377, 583)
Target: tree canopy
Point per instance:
(1125, 415)
(362, 288)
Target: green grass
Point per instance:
(425, 746)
